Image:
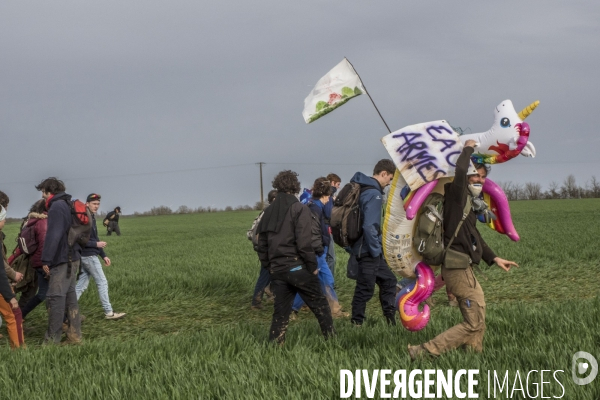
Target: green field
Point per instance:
(186, 282)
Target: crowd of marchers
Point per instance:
(295, 246)
(48, 266)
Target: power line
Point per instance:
(531, 164)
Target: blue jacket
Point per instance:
(56, 247)
(91, 248)
(370, 203)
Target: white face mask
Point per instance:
(475, 189)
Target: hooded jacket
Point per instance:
(284, 239)
(40, 226)
(370, 203)
(468, 239)
(56, 247)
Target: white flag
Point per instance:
(334, 89)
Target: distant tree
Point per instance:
(569, 189)
(162, 210)
(553, 191)
(594, 188)
(183, 210)
(533, 191)
(228, 208)
(260, 205)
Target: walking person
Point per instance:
(38, 219)
(264, 277)
(112, 222)
(335, 182)
(9, 307)
(61, 265)
(465, 250)
(284, 247)
(321, 191)
(90, 264)
(372, 267)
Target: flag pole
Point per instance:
(367, 92)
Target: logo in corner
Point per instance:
(581, 367)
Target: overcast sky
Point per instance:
(172, 103)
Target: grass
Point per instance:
(186, 282)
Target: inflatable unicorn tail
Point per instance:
(408, 300)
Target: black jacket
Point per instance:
(323, 229)
(455, 199)
(91, 248)
(291, 245)
(56, 247)
(113, 217)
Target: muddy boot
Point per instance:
(416, 352)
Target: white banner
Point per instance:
(331, 91)
(424, 152)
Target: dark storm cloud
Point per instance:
(105, 94)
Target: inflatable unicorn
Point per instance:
(425, 155)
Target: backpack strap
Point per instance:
(466, 211)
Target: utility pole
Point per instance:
(262, 199)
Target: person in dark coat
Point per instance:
(38, 218)
(61, 263)
(112, 222)
(285, 248)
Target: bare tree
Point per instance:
(594, 188)
(519, 192)
(183, 210)
(533, 191)
(509, 189)
(569, 189)
(553, 191)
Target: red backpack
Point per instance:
(81, 223)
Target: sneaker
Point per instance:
(257, 306)
(416, 351)
(114, 315)
(294, 315)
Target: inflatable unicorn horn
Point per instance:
(507, 138)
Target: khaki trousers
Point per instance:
(463, 284)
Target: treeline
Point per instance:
(514, 191)
(164, 210)
(568, 190)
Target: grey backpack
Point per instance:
(429, 234)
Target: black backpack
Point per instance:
(346, 216)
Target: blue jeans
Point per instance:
(90, 266)
(326, 279)
(41, 294)
(263, 280)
